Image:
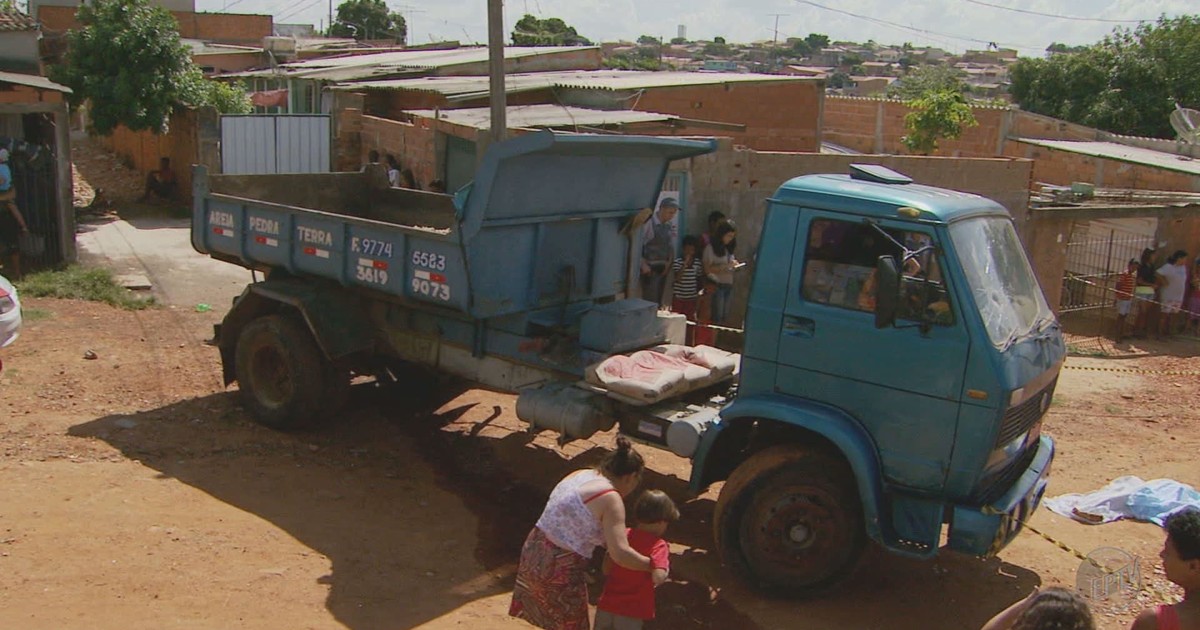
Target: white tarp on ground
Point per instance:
(1127, 497)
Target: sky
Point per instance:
(954, 25)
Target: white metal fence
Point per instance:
(255, 144)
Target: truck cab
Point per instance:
(899, 356)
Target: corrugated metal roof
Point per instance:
(362, 67)
(17, 21)
(544, 116)
(33, 81)
(1123, 153)
(583, 79)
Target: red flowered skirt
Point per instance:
(550, 592)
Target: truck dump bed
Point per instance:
(539, 226)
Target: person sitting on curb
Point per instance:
(162, 182)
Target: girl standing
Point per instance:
(719, 264)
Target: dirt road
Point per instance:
(138, 494)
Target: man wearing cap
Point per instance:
(12, 224)
(658, 250)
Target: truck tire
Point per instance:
(789, 521)
(281, 373)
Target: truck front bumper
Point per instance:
(984, 531)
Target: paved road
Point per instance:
(158, 252)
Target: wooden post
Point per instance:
(498, 96)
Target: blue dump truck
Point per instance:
(898, 352)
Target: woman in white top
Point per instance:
(719, 264)
(393, 171)
(585, 511)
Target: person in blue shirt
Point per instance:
(12, 223)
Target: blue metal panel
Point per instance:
(268, 236)
(222, 227)
(436, 272)
(844, 432)
(320, 245)
(546, 175)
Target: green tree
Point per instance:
(126, 60)
(368, 19)
(852, 59)
(817, 41)
(717, 49)
(934, 116)
(838, 80)
(530, 31)
(675, 41)
(648, 40)
(798, 47)
(925, 79)
(1128, 83)
(719, 40)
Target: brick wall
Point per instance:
(414, 145)
(232, 28)
(13, 93)
(877, 125)
(143, 149)
(779, 116)
(1064, 167)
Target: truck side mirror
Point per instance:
(887, 291)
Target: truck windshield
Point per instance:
(1002, 282)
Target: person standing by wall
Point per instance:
(1144, 292)
(719, 264)
(1126, 283)
(12, 222)
(1172, 282)
(685, 291)
(393, 171)
(658, 250)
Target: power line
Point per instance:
(914, 29)
(1055, 15)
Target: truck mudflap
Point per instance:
(984, 531)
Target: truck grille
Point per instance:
(1021, 418)
(996, 484)
(1017, 421)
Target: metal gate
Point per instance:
(254, 144)
(1096, 255)
(33, 170)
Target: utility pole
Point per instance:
(498, 97)
(330, 28)
(775, 42)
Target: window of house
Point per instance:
(839, 270)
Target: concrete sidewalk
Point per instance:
(156, 254)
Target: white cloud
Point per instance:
(952, 24)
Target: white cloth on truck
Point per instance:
(645, 376)
(1127, 497)
(720, 363)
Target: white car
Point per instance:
(10, 313)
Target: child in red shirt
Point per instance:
(1126, 283)
(628, 597)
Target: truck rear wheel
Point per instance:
(281, 373)
(789, 521)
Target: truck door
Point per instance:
(902, 383)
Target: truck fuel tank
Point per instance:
(574, 413)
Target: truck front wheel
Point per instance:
(789, 521)
(280, 372)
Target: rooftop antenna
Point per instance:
(1186, 123)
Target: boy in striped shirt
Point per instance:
(1126, 283)
(689, 271)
